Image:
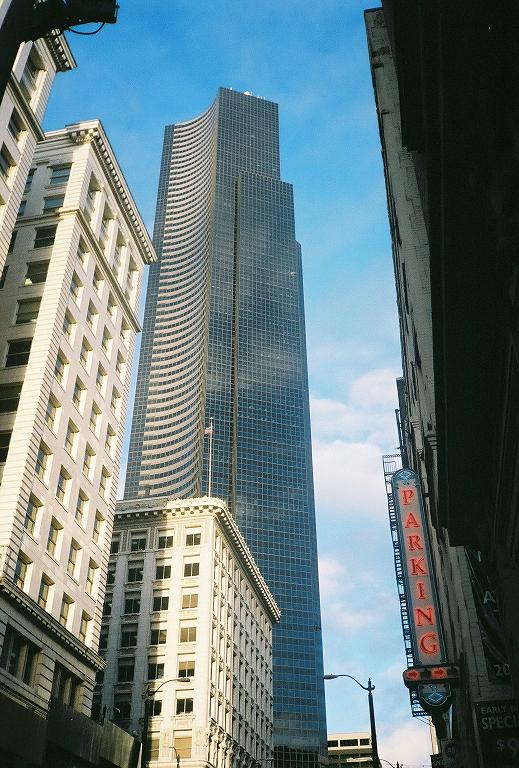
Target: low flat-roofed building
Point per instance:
(350, 750)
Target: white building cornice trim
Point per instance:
(165, 507)
(43, 619)
(92, 132)
(60, 51)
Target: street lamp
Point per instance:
(148, 696)
(369, 688)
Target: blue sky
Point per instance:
(162, 63)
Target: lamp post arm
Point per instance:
(369, 686)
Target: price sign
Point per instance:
(498, 725)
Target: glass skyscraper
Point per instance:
(224, 339)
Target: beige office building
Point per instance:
(350, 750)
(68, 302)
(188, 622)
(21, 114)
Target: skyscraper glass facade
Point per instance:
(224, 339)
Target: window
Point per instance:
(112, 307)
(5, 270)
(184, 706)
(95, 413)
(103, 639)
(91, 194)
(97, 282)
(81, 507)
(190, 600)
(60, 367)
(20, 570)
(68, 325)
(51, 414)
(158, 636)
(110, 440)
(75, 288)
(98, 527)
(27, 311)
(28, 183)
(138, 542)
(191, 569)
(60, 174)
(21, 209)
(154, 746)
(155, 669)
(18, 352)
(122, 707)
(128, 635)
(77, 394)
(183, 746)
(42, 460)
(88, 462)
(91, 576)
(63, 485)
(156, 707)
(125, 332)
(114, 546)
(36, 272)
(55, 529)
(162, 571)
(86, 352)
(135, 572)
(31, 514)
(105, 223)
(119, 365)
(6, 161)
(10, 397)
(5, 439)
(114, 400)
(125, 670)
(66, 686)
(54, 203)
(92, 316)
(107, 606)
(15, 125)
(132, 602)
(71, 437)
(82, 253)
(44, 591)
(73, 558)
(186, 668)
(19, 656)
(165, 540)
(160, 602)
(84, 626)
(45, 237)
(187, 634)
(106, 341)
(110, 574)
(193, 539)
(64, 611)
(104, 482)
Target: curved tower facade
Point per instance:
(224, 338)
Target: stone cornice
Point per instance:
(60, 51)
(92, 132)
(43, 619)
(165, 507)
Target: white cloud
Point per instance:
(331, 575)
(348, 479)
(408, 742)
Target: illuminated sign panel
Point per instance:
(420, 590)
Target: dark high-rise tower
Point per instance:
(224, 338)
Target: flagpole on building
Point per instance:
(210, 430)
